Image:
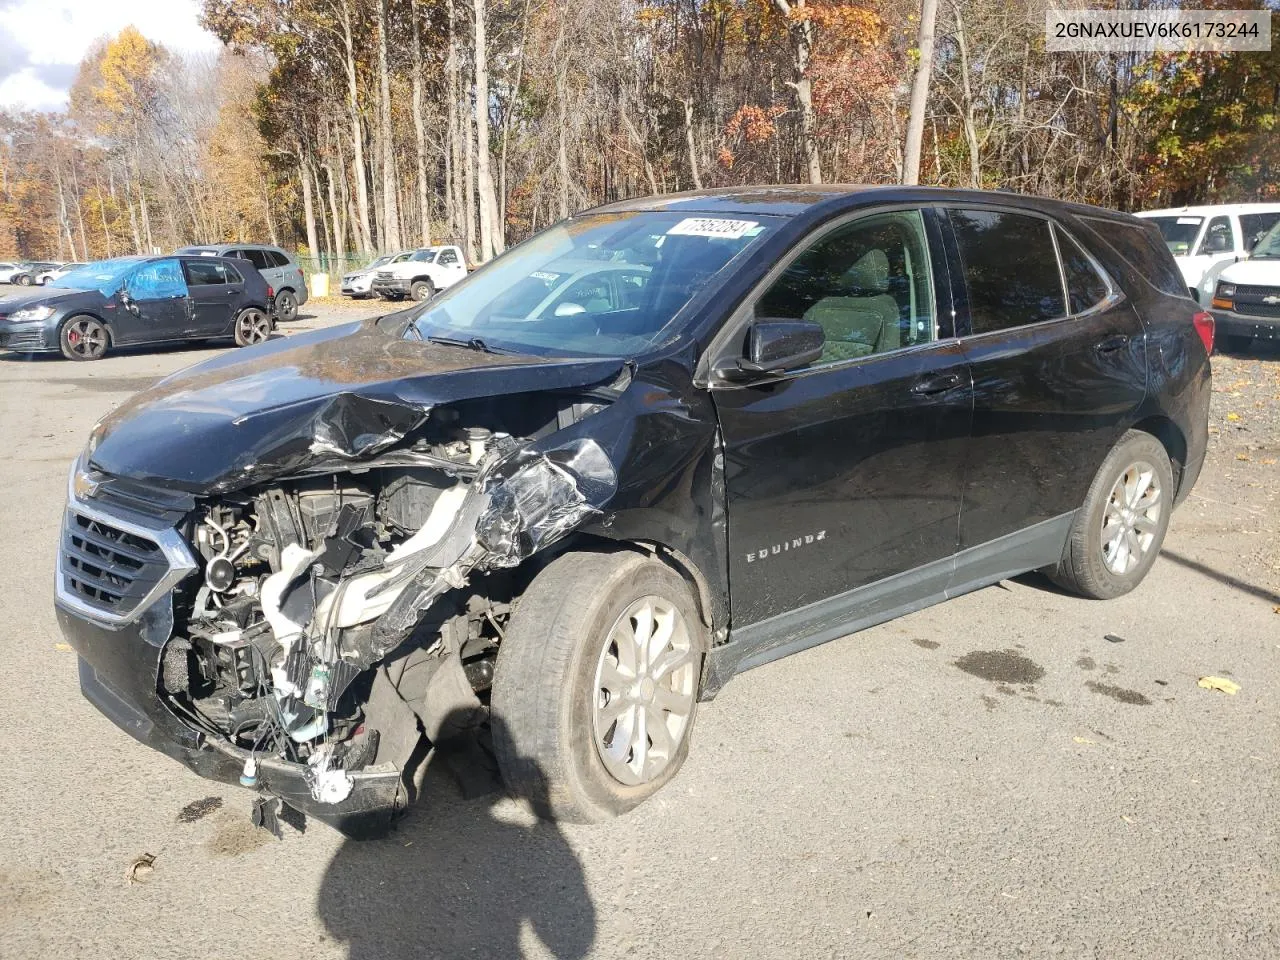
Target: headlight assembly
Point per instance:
(28, 314)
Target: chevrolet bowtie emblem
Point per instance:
(1271, 299)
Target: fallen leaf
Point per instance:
(1219, 683)
(1126, 819)
(1243, 456)
(62, 647)
(1233, 417)
(1269, 461)
(1092, 743)
(141, 869)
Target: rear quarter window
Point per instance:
(1143, 248)
(277, 258)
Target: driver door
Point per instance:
(155, 304)
(843, 477)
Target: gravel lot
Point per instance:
(988, 778)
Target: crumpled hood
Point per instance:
(335, 395)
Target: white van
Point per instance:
(1203, 238)
(1246, 295)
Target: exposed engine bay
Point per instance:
(341, 617)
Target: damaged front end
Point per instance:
(325, 628)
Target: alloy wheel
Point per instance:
(87, 338)
(1131, 519)
(253, 326)
(644, 691)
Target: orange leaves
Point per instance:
(755, 124)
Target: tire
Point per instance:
(252, 326)
(83, 338)
(422, 290)
(1102, 568)
(24, 280)
(287, 306)
(549, 709)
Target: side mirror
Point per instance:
(775, 346)
(127, 301)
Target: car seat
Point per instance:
(866, 320)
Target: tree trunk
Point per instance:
(390, 208)
(339, 225)
(364, 231)
(800, 32)
(420, 130)
(308, 206)
(491, 239)
(920, 93)
(966, 90)
(453, 159)
(562, 149)
(506, 117)
(469, 184)
(693, 153)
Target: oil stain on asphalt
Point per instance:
(199, 809)
(1119, 693)
(1001, 666)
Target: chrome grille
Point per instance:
(111, 569)
(385, 275)
(1248, 300)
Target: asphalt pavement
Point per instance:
(1016, 773)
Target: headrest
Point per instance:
(870, 273)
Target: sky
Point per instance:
(42, 41)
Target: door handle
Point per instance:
(939, 384)
(1112, 344)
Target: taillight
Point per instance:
(1204, 326)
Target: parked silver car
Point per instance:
(277, 266)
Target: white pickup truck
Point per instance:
(421, 275)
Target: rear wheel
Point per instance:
(596, 686)
(24, 280)
(422, 290)
(83, 338)
(252, 326)
(1118, 532)
(287, 306)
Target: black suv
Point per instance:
(660, 443)
(131, 301)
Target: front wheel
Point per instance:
(1118, 532)
(252, 326)
(83, 338)
(287, 306)
(596, 685)
(24, 280)
(422, 290)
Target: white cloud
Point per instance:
(45, 39)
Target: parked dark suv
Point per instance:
(555, 507)
(139, 300)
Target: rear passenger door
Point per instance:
(1058, 361)
(157, 305)
(214, 293)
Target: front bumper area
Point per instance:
(1233, 324)
(29, 337)
(392, 288)
(120, 675)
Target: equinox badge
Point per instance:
(795, 543)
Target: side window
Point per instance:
(867, 284)
(630, 288)
(1254, 226)
(276, 258)
(157, 281)
(448, 256)
(1085, 286)
(259, 258)
(1217, 237)
(1010, 269)
(231, 273)
(401, 258)
(204, 273)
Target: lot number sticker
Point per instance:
(706, 227)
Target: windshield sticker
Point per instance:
(1190, 220)
(707, 227)
(543, 275)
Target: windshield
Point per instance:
(1255, 226)
(424, 256)
(1268, 248)
(103, 276)
(602, 285)
(379, 262)
(1178, 232)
